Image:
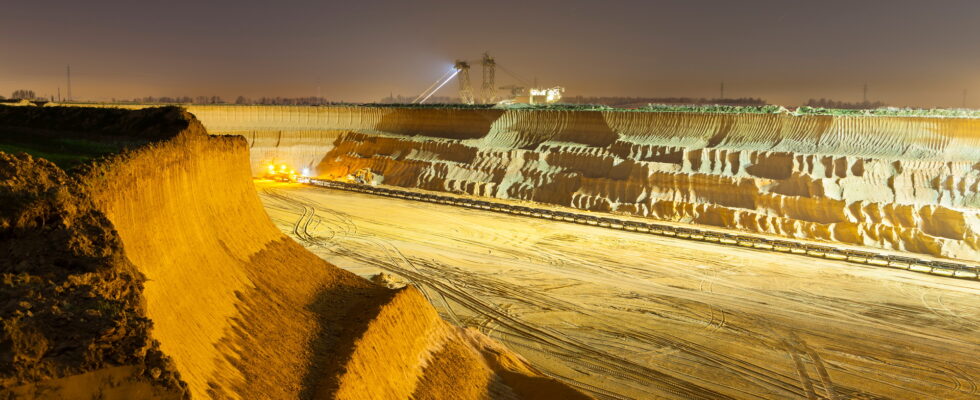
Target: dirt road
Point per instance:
(627, 315)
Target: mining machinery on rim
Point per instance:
(488, 91)
(463, 76)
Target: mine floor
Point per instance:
(721, 236)
(630, 315)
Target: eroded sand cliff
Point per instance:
(237, 309)
(902, 183)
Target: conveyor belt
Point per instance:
(934, 267)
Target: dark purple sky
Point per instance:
(910, 52)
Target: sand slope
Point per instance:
(245, 312)
(902, 183)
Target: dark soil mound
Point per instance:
(69, 298)
(149, 124)
(69, 136)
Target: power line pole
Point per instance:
(69, 82)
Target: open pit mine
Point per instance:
(899, 183)
(155, 273)
(511, 254)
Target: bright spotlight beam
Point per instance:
(433, 85)
(456, 71)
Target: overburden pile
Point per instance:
(906, 183)
(154, 272)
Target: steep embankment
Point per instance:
(244, 312)
(903, 183)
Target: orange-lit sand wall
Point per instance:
(245, 312)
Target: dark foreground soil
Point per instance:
(69, 298)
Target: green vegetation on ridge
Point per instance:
(714, 109)
(70, 136)
(63, 151)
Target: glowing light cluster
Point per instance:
(551, 95)
(280, 172)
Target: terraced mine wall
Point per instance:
(226, 305)
(900, 183)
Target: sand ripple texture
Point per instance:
(899, 183)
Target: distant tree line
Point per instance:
(285, 101)
(180, 100)
(638, 102)
(843, 105)
(611, 101)
(23, 94)
(399, 99)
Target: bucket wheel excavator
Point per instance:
(488, 92)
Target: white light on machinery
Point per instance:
(550, 95)
(554, 94)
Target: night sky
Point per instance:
(910, 53)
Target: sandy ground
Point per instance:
(630, 315)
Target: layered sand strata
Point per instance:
(900, 183)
